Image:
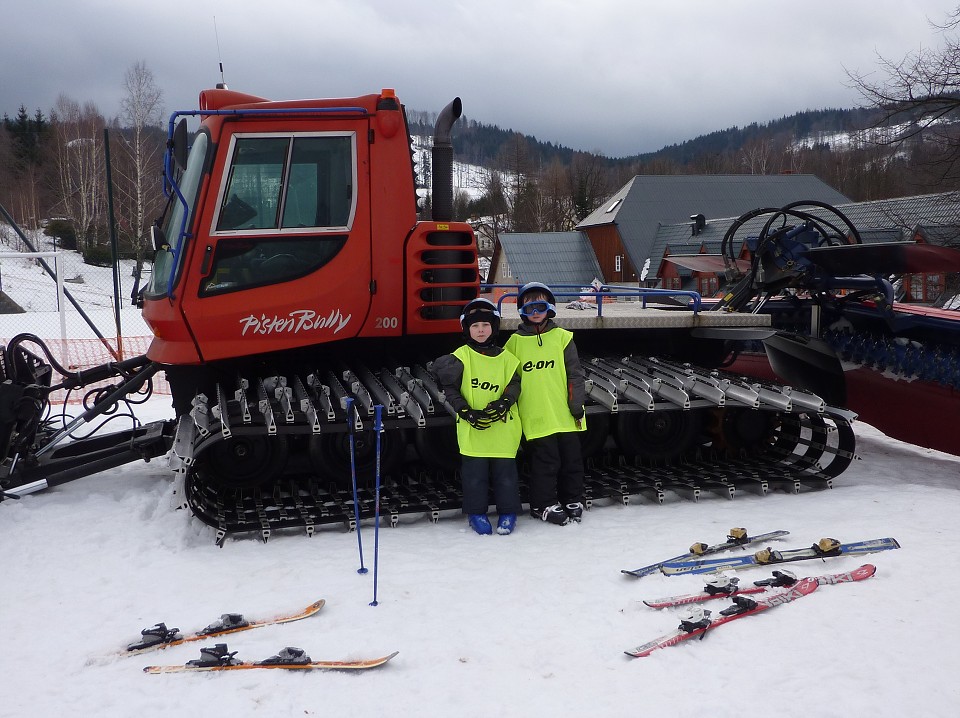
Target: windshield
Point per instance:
(169, 259)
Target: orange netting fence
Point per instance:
(81, 354)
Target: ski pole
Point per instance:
(353, 476)
(377, 428)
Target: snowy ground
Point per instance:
(533, 624)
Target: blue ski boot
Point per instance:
(506, 524)
(480, 523)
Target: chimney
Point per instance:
(699, 222)
(442, 161)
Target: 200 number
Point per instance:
(387, 323)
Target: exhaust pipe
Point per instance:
(442, 161)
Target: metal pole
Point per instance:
(377, 428)
(113, 241)
(353, 476)
(62, 311)
(66, 292)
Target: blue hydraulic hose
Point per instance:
(353, 476)
(377, 428)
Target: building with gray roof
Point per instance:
(622, 231)
(889, 220)
(550, 257)
(657, 216)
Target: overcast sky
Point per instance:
(617, 77)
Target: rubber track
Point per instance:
(806, 450)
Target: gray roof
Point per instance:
(945, 235)
(888, 220)
(551, 257)
(647, 201)
(875, 235)
(905, 212)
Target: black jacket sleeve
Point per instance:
(576, 388)
(449, 371)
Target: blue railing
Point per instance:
(606, 291)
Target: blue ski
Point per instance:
(736, 539)
(825, 548)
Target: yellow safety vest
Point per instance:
(484, 379)
(544, 409)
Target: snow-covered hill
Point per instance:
(469, 179)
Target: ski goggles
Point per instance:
(538, 307)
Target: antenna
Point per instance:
(222, 85)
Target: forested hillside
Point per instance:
(54, 167)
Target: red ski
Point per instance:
(698, 622)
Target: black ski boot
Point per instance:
(215, 655)
(227, 622)
(289, 656)
(155, 635)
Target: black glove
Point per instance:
(497, 409)
(476, 418)
(577, 413)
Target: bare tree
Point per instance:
(80, 166)
(587, 182)
(756, 156)
(142, 115)
(493, 209)
(919, 101)
(556, 198)
(515, 161)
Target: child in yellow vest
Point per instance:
(480, 382)
(551, 406)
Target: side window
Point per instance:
(291, 199)
(320, 192)
(252, 196)
(248, 263)
(307, 180)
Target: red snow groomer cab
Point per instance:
(295, 288)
